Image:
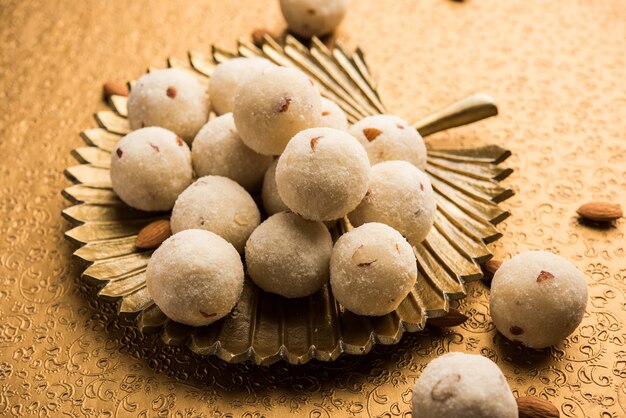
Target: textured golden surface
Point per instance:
(262, 327)
(556, 70)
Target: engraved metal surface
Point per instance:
(557, 74)
(263, 327)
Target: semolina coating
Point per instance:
(274, 105)
(228, 76)
(459, 385)
(401, 196)
(323, 174)
(195, 277)
(333, 116)
(372, 269)
(150, 167)
(537, 298)
(289, 255)
(219, 205)
(309, 18)
(218, 150)
(172, 99)
(269, 193)
(388, 137)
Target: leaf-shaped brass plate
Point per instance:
(264, 327)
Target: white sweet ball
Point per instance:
(218, 150)
(310, 18)
(150, 167)
(537, 298)
(289, 255)
(269, 193)
(271, 199)
(463, 385)
(273, 106)
(387, 137)
(219, 205)
(228, 76)
(172, 99)
(401, 196)
(333, 116)
(323, 174)
(372, 269)
(195, 277)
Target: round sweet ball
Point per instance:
(172, 99)
(195, 277)
(289, 255)
(463, 385)
(323, 174)
(333, 116)
(401, 196)
(269, 193)
(271, 199)
(219, 205)
(372, 269)
(537, 298)
(387, 137)
(274, 105)
(309, 18)
(228, 76)
(218, 150)
(138, 164)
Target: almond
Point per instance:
(544, 275)
(284, 103)
(445, 388)
(111, 88)
(207, 315)
(241, 219)
(258, 36)
(534, 407)
(600, 211)
(490, 268)
(453, 318)
(364, 256)
(371, 133)
(153, 234)
(314, 142)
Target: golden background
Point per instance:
(557, 72)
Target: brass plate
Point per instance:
(264, 327)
